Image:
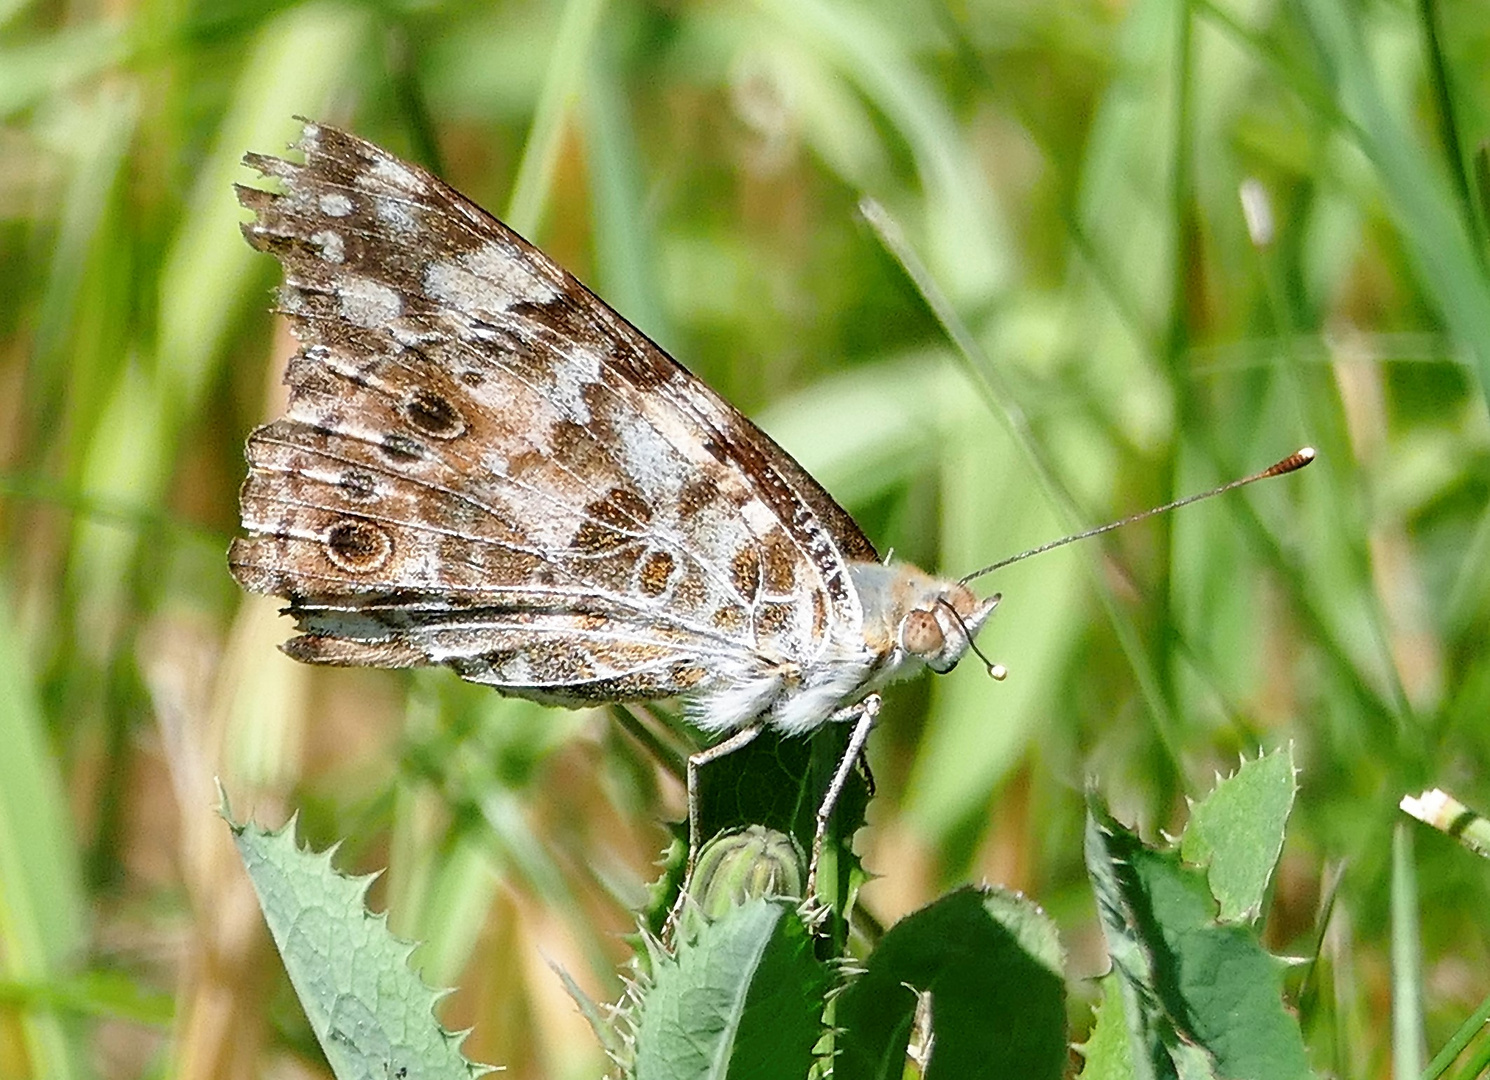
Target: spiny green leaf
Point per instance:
(991, 963)
(1107, 1052)
(1206, 997)
(372, 1015)
(741, 998)
(1236, 832)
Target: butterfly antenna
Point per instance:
(1291, 463)
(996, 672)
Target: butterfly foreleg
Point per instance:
(868, 711)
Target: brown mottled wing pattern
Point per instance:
(483, 465)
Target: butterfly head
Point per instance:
(941, 627)
(914, 618)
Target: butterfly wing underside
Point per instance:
(483, 465)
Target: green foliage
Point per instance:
(740, 997)
(1108, 1051)
(1236, 832)
(41, 888)
(970, 986)
(991, 972)
(371, 1014)
(1201, 997)
(778, 782)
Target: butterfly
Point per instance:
(484, 466)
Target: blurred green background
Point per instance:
(1072, 174)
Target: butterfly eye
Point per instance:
(921, 634)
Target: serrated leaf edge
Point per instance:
(455, 1039)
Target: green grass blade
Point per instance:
(1458, 1042)
(995, 391)
(625, 261)
(1447, 115)
(1408, 1039)
(959, 216)
(1436, 236)
(561, 88)
(56, 64)
(43, 920)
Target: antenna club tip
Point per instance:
(997, 672)
(1292, 463)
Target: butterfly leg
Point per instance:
(697, 761)
(866, 771)
(868, 710)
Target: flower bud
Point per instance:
(745, 863)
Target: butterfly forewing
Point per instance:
(483, 465)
